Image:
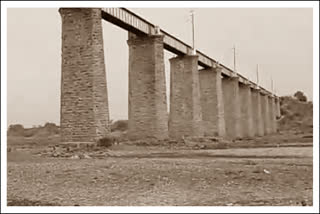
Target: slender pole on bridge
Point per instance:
(193, 45)
(271, 85)
(234, 59)
(257, 72)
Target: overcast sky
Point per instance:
(279, 40)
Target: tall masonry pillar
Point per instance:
(212, 102)
(257, 112)
(265, 113)
(275, 100)
(273, 120)
(185, 107)
(84, 113)
(270, 115)
(231, 101)
(277, 103)
(246, 119)
(148, 115)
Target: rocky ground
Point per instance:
(273, 170)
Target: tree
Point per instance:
(51, 128)
(16, 130)
(300, 96)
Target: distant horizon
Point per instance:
(113, 120)
(278, 39)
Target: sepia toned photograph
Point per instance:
(176, 105)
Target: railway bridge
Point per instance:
(212, 101)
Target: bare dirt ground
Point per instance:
(267, 171)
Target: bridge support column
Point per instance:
(278, 113)
(148, 116)
(265, 114)
(84, 114)
(212, 102)
(246, 110)
(270, 115)
(277, 103)
(273, 121)
(185, 106)
(275, 100)
(231, 101)
(257, 112)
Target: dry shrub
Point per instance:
(119, 125)
(107, 141)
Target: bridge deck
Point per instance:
(130, 21)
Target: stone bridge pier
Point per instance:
(212, 105)
(246, 120)
(84, 112)
(185, 117)
(147, 112)
(272, 114)
(265, 113)
(257, 113)
(232, 111)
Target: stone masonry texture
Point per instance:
(212, 102)
(84, 115)
(148, 115)
(277, 111)
(265, 114)
(231, 100)
(185, 106)
(247, 128)
(277, 101)
(256, 112)
(269, 103)
(272, 108)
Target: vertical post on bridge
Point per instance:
(193, 40)
(234, 58)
